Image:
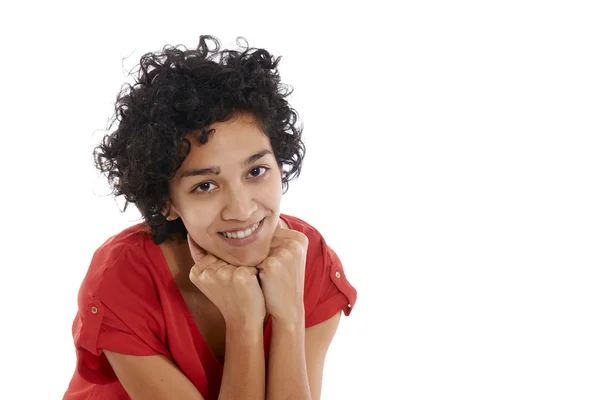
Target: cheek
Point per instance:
(275, 189)
(197, 217)
(269, 197)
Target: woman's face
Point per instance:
(228, 185)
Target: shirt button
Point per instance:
(94, 310)
(337, 274)
(349, 305)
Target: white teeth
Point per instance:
(241, 234)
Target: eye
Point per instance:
(255, 172)
(204, 187)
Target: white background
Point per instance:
(453, 163)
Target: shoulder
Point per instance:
(119, 306)
(326, 288)
(318, 251)
(121, 261)
(301, 225)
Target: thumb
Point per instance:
(197, 252)
(281, 225)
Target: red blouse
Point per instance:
(129, 303)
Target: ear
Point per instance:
(170, 212)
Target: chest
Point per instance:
(208, 319)
(209, 322)
(206, 316)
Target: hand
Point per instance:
(235, 291)
(282, 275)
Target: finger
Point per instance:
(286, 243)
(217, 264)
(290, 234)
(281, 230)
(247, 270)
(245, 275)
(202, 259)
(210, 262)
(269, 262)
(278, 241)
(197, 252)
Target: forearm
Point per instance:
(288, 376)
(244, 369)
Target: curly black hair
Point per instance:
(177, 90)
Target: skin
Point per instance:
(238, 196)
(223, 280)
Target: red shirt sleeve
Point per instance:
(326, 284)
(119, 310)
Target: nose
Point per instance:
(239, 204)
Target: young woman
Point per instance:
(217, 294)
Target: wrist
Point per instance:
(290, 322)
(244, 324)
(244, 331)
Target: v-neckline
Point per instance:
(191, 323)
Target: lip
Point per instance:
(248, 239)
(241, 229)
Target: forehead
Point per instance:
(229, 143)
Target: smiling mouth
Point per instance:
(244, 233)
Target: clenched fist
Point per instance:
(235, 291)
(282, 275)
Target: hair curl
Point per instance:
(177, 90)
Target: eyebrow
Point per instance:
(215, 170)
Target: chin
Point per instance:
(252, 260)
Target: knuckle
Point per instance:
(300, 237)
(272, 263)
(209, 259)
(296, 247)
(240, 275)
(200, 277)
(207, 275)
(224, 273)
(247, 271)
(288, 252)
